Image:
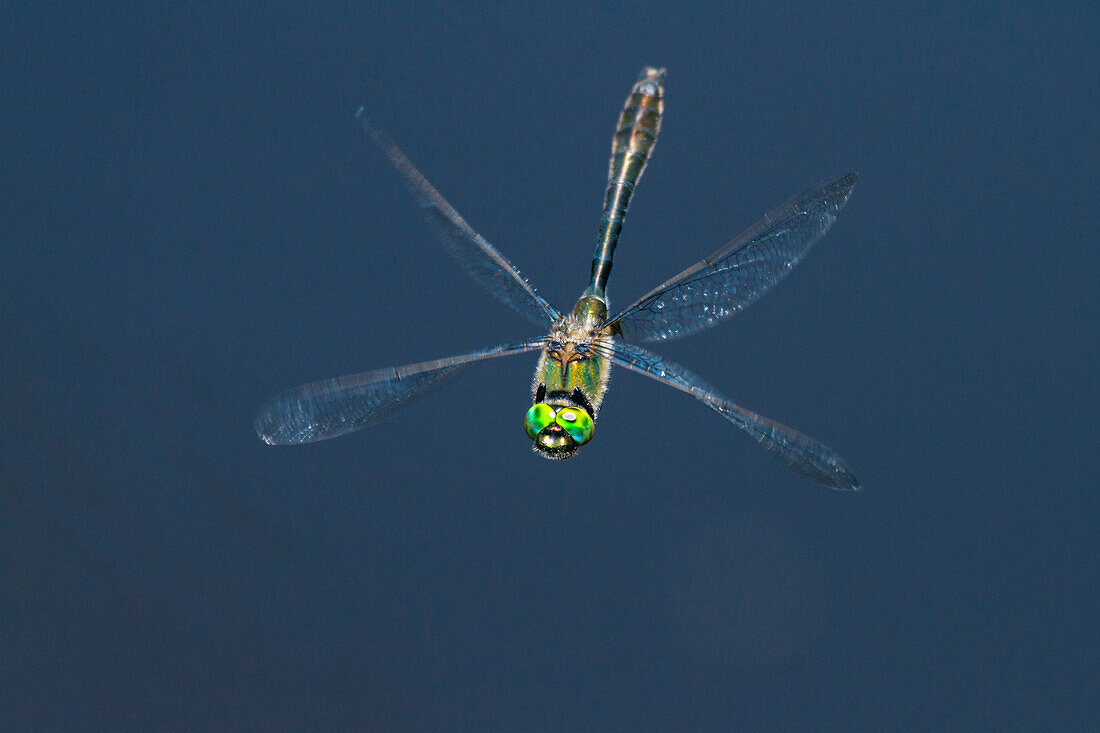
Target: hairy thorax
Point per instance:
(571, 359)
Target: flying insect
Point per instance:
(575, 357)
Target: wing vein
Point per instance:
(731, 278)
(481, 261)
(806, 455)
(332, 407)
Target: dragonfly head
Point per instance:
(559, 424)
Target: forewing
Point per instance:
(322, 410)
(478, 258)
(812, 459)
(733, 277)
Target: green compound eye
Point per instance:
(538, 417)
(577, 423)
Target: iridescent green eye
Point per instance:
(577, 422)
(538, 417)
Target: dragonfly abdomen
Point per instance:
(635, 136)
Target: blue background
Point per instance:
(192, 222)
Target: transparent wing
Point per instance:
(333, 407)
(478, 258)
(812, 459)
(733, 277)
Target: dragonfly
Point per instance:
(576, 355)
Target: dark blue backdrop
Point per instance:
(191, 222)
